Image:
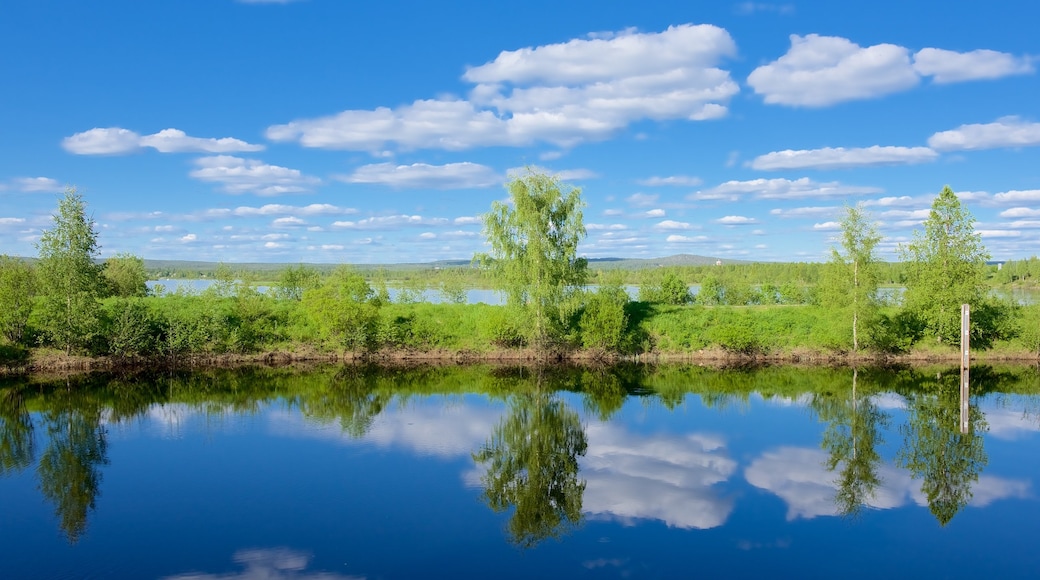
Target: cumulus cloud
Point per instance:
(678, 180)
(823, 70)
(119, 141)
(563, 175)
(798, 212)
(818, 71)
(269, 563)
(736, 220)
(1004, 132)
(1016, 196)
(654, 213)
(827, 226)
(672, 225)
(421, 175)
(678, 239)
(842, 158)
(238, 175)
(781, 188)
(1020, 212)
(947, 66)
(562, 94)
(642, 199)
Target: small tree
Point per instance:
(850, 280)
(126, 276)
(293, 281)
(70, 280)
(534, 249)
(18, 288)
(946, 267)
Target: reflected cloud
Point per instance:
(799, 476)
(268, 564)
(662, 477)
(1010, 424)
(434, 428)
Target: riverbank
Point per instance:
(50, 362)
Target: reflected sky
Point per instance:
(274, 485)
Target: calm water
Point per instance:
(344, 472)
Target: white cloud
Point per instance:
(842, 158)
(947, 66)
(189, 238)
(11, 221)
(116, 141)
(421, 175)
(677, 239)
(288, 221)
(781, 188)
(749, 8)
(1016, 196)
(736, 220)
(607, 227)
(34, 185)
(281, 209)
(654, 213)
(238, 175)
(678, 180)
(827, 226)
(1020, 212)
(672, 225)
(999, 233)
(823, 70)
(271, 563)
(1004, 132)
(891, 201)
(562, 94)
(818, 71)
(467, 220)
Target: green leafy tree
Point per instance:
(946, 267)
(70, 279)
(18, 289)
(534, 250)
(604, 320)
(850, 282)
(532, 465)
(293, 281)
(126, 276)
(453, 287)
(342, 309)
(712, 292)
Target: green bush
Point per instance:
(603, 322)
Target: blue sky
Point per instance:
(333, 131)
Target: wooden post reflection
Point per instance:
(965, 360)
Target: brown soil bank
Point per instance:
(48, 361)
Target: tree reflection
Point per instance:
(17, 440)
(69, 470)
(852, 438)
(934, 450)
(531, 464)
(352, 397)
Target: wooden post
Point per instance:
(965, 362)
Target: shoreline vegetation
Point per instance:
(65, 311)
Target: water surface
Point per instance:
(347, 472)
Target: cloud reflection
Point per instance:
(268, 564)
(798, 476)
(670, 478)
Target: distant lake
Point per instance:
(477, 472)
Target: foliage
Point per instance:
(669, 289)
(946, 267)
(534, 244)
(711, 293)
(603, 321)
(453, 287)
(125, 276)
(70, 280)
(342, 310)
(293, 281)
(18, 289)
(850, 282)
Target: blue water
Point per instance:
(338, 474)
